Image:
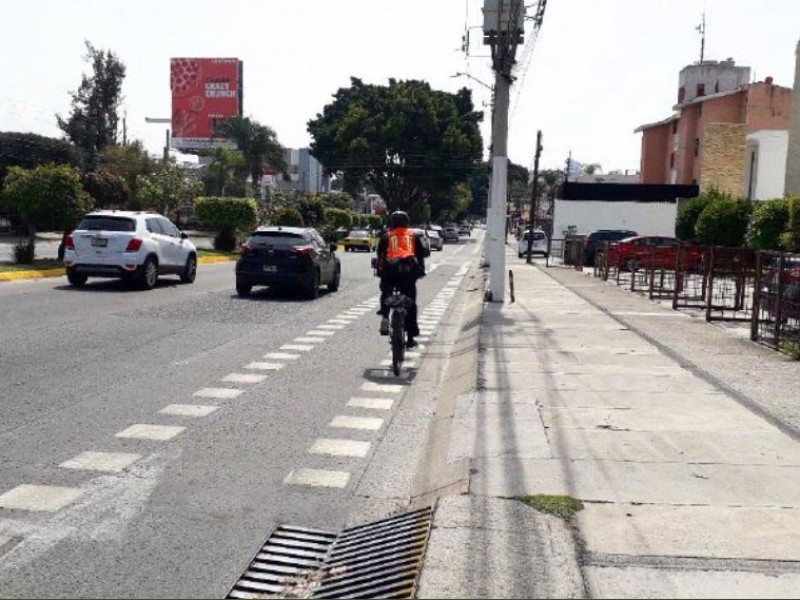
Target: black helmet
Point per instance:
(398, 219)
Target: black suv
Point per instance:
(593, 239)
(287, 257)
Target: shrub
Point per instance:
(339, 217)
(790, 240)
(288, 216)
(724, 222)
(24, 253)
(231, 217)
(687, 217)
(312, 210)
(375, 221)
(768, 221)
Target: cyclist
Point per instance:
(401, 261)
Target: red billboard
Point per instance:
(204, 92)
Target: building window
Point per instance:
(674, 127)
(701, 89)
(696, 146)
(681, 94)
(672, 160)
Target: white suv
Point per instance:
(136, 247)
(539, 245)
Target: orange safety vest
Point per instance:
(401, 244)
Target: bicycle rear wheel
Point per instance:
(398, 341)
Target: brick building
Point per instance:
(725, 131)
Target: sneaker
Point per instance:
(411, 343)
(384, 326)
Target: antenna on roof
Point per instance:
(701, 29)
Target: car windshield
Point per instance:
(433, 233)
(276, 238)
(103, 223)
(360, 235)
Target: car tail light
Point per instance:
(245, 248)
(134, 245)
(301, 251)
(69, 243)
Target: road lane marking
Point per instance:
(296, 347)
(339, 321)
(382, 388)
(337, 447)
(309, 340)
(327, 326)
(318, 332)
(265, 366)
(412, 354)
(159, 433)
(346, 317)
(218, 393)
(243, 378)
(368, 423)
(281, 356)
(40, 498)
(107, 462)
(188, 410)
(317, 478)
(406, 363)
(371, 403)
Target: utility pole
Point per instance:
(534, 196)
(503, 28)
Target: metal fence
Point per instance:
(776, 314)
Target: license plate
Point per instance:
(270, 269)
(100, 242)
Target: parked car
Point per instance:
(358, 239)
(288, 257)
(450, 233)
(539, 245)
(136, 247)
(437, 243)
(651, 251)
(593, 239)
(465, 228)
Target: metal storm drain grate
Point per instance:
(378, 560)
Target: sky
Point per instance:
(598, 69)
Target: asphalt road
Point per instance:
(185, 517)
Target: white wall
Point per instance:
(770, 147)
(645, 218)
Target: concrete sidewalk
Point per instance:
(680, 438)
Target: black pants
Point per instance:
(406, 284)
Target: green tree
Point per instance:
(128, 162)
(339, 218)
(46, 197)
(288, 216)
(768, 221)
(28, 150)
(93, 120)
(167, 189)
(312, 209)
(724, 222)
(224, 174)
(231, 217)
(375, 221)
(790, 239)
(258, 144)
(408, 142)
(592, 169)
(107, 189)
(688, 213)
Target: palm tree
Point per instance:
(258, 144)
(226, 165)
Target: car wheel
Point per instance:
(190, 270)
(76, 279)
(312, 291)
(148, 276)
(243, 289)
(333, 286)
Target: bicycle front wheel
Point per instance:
(398, 343)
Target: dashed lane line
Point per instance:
(243, 378)
(371, 403)
(339, 447)
(39, 498)
(218, 393)
(106, 462)
(281, 356)
(159, 433)
(317, 478)
(188, 410)
(296, 347)
(346, 422)
(320, 332)
(265, 366)
(309, 340)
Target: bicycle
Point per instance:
(398, 306)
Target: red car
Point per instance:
(650, 251)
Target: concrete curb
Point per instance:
(60, 272)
